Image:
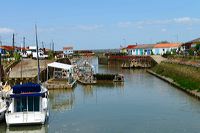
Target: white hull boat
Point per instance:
(3, 109)
(29, 105)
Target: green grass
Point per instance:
(186, 76)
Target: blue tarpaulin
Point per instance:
(26, 88)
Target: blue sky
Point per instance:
(96, 24)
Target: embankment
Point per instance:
(186, 78)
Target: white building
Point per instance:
(163, 48)
(68, 50)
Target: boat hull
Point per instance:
(26, 118)
(2, 115)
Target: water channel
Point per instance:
(143, 104)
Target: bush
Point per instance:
(50, 55)
(17, 56)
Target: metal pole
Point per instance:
(24, 44)
(13, 44)
(36, 40)
(47, 72)
(0, 60)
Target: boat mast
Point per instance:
(0, 60)
(38, 62)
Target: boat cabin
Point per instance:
(27, 97)
(28, 105)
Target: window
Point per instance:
(30, 103)
(21, 104)
(24, 103)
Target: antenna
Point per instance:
(24, 43)
(36, 40)
(13, 43)
(52, 45)
(0, 60)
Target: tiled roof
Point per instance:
(131, 46)
(7, 47)
(67, 48)
(167, 45)
(145, 46)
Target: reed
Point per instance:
(186, 76)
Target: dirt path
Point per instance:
(29, 68)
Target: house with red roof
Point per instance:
(163, 48)
(68, 50)
(131, 49)
(144, 49)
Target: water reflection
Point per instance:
(62, 99)
(88, 90)
(27, 129)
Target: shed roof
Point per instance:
(60, 65)
(167, 45)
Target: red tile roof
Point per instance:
(131, 46)
(8, 48)
(167, 45)
(67, 48)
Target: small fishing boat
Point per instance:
(3, 109)
(86, 74)
(29, 105)
(63, 76)
(118, 78)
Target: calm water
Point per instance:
(143, 104)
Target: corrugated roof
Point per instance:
(167, 45)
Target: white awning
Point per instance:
(60, 65)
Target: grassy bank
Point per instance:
(187, 77)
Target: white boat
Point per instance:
(28, 102)
(3, 109)
(29, 105)
(3, 106)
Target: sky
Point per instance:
(99, 24)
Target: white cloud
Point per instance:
(181, 20)
(89, 27)
(187, 20)
(4, 30)
(125, 24)
(163, 30)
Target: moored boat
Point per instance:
(29, 105)
(3, 109)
